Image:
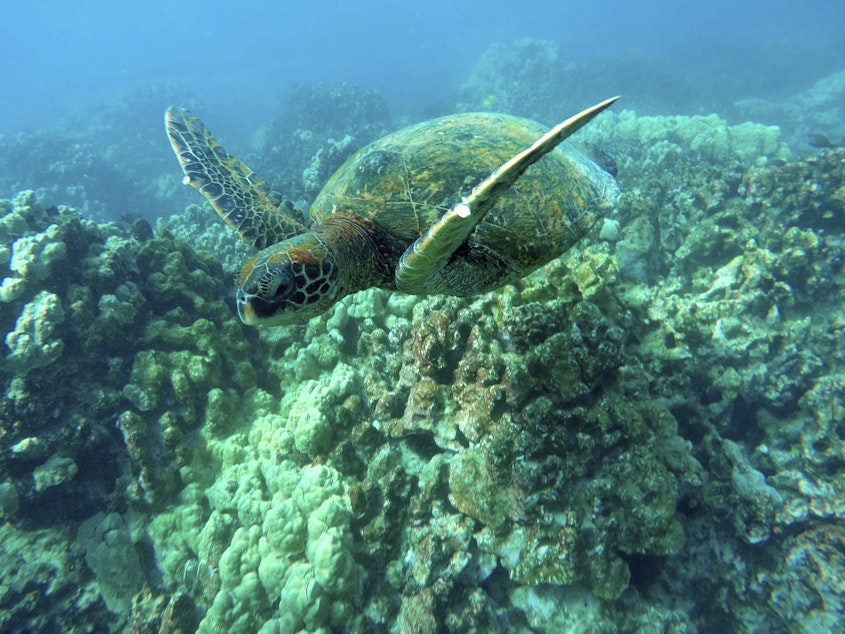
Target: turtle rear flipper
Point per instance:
(425, 258)
(241, 198)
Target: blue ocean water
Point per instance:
(240, 61)
(90, 79)
(646, 434)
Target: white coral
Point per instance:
(32, 342)
(32, 259)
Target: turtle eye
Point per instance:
(276, 284)
(284, 288)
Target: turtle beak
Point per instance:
(255, 311)
(245, 311)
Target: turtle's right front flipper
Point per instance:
(241, 198)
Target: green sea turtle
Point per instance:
(433, 208)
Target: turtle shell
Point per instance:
(403, 182)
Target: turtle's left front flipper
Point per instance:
(241, 198)
(432, 250)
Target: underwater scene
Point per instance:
(358, 386)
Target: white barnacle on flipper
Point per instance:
(463, 210)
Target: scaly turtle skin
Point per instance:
(447, 206)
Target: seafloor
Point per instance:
(646, 435)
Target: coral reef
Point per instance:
(811, 119)
(201, 226)
(317, 130)
(104, 159)
(584, 438)
(116, 351)
(44, 589)
(66, 167)
(518, 78)
(533, 78)
(645, 435)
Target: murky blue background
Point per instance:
(241, 58)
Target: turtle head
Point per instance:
(288, 282)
